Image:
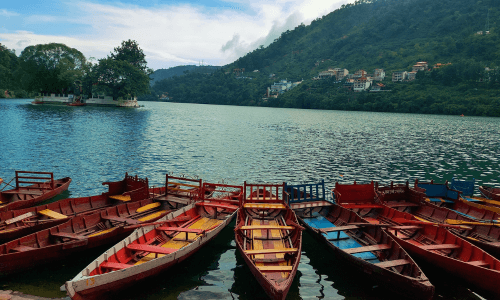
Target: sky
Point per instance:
(171, 33)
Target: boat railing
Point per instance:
(34, 178)
(190, 186)
(263, 192)
(465, 186)
(306, 192)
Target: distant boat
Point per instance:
(41, 186)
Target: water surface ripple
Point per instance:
(234, 144)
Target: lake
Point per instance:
(233, 144)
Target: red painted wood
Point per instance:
(151, 249)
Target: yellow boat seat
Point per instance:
(152, 216)
(148, 207)
(52, 214)
(121, 198)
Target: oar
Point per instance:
(405, 221)
(451, 221)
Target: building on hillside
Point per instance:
(378, 74)
(412, 75)
(326, 74)
(281, 87)
(361, 84)
(360, 73)
(340, 73)
(420, 66)
(349, 84)
(439, 65)
(399, 76)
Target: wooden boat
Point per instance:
(152, 249)
(366, 248)
(483, 234)
(41, 186)
(20, 222)
(490, 192)
(466, 187)
(430, 242)
(80, 233)
(269, 237)
(442, 249)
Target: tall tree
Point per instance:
(52, 67)
(123, 73)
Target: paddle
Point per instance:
(406, 221)
(451, 221)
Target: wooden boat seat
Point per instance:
(393, 263)
(479, 263)
(275, 268)
(102, 232)
(114, 266)
(22, 248)
(217, 205)
(119, 219)
(270, 251)
(367, 248)
(405, 227)
(308, 204)
(148, 207)
(266, 227)
(440, 247)
(150, 249)
(181, 229)
(69, 235)
(52, 214)
(121, 198)
(19, 218)
(152, 216)
(264, 206)
(339, 228)
(438, 200)
(173, 198)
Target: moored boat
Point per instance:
(20, 222)
(70, 99)
(492, 193)
(78, 234)
(269, 237)
(152, 249)
(31, 188)
(367, 248)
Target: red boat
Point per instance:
(490, 192)
(78, 234)
(41, 186)
(269, 237)
(20, 222)
(152, 249)
(430, 242)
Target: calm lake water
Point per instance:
(232, 144)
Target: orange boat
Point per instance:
(31, 188)
(269, 237)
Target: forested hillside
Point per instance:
(161, 74)
(388, 34)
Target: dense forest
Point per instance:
(369, 34)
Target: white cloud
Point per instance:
(173, 35)
(6, 13)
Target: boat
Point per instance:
(77, 101)
(152, 249)
(80, 233)
(442, 249)
(429, 242)
(94, 100)
(366, 248)
(484, 234)
(269, 237)
(490, 192)
(31, 188)
(20, 222)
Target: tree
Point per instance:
(123, 73)
(52, 67)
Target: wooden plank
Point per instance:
(368, 248)
(36, 193)
(217, 205)
(52, 214)
(148, 207)
(267, 227)
(405, 227)
(264, 206)
(270, 251)
(119, 219)
(440, 247)
(121, 197)
(339, 228)
(114, 266)
(181, 229)
(150, 249)
(393, 263)
(19, 218)
(275, 268)
(361, 206)
(69, 235)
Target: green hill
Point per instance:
(388, 34)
